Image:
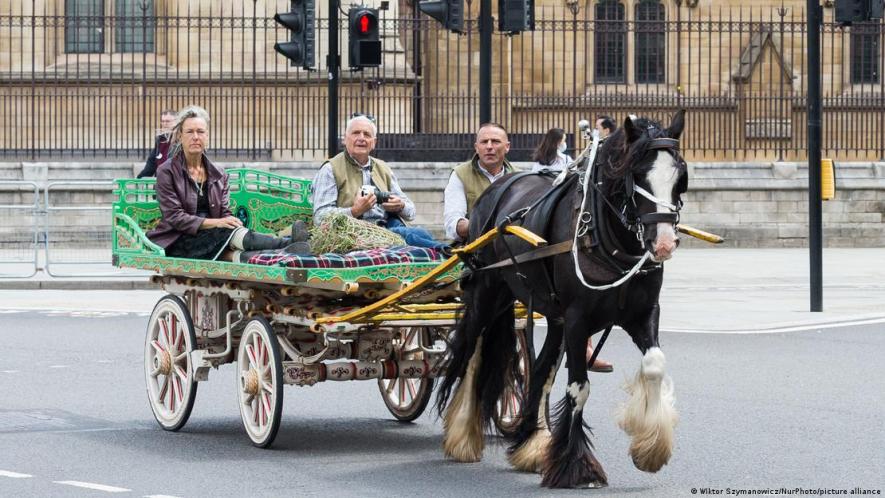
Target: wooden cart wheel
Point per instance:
(407, 398)
(508, 410)
(260, 382)
(168, 369)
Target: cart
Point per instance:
(294, 320)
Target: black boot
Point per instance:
(254, 241)
(299, 231)
(301, 248)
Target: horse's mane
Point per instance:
(617, 158)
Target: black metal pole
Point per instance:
(485, 61)
(815, 230)
(333, 62)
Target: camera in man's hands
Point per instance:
(380, 196)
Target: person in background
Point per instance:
(194, 198)
(550, 154)
(605, 125)
(160, 152)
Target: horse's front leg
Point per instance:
(649, 416)
(570, 462)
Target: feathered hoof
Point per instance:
(650, 461)
(584, 473)
(529, 457)
(464, 451)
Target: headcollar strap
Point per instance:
(664, 143)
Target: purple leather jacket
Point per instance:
(177, 195)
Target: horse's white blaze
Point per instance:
(579, 391)
(530, 456)
(662, 178)
(463, 440)
(649, 415)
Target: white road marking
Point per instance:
(160, 496)
(794, 328)
(92, 485)
(9, 371)
(58, 366)
(14, 475)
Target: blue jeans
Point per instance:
(414, 236)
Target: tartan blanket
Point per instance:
(355, 259)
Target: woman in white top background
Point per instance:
(550, 153)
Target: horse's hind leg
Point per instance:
(462, 423)
(649, 416)
(532, 437)
(570, 462)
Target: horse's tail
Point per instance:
(488, 314)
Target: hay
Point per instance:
(339, 233)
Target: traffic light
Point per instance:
(852, 11)
(300, 22)
(450, 13)
(365, 38)
(515, 16)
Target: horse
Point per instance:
(607, 271)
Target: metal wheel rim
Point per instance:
(169, 372)
(402, 395)
(256, 362)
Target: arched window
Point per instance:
(651, 43)
(610, 55)
(865, 52)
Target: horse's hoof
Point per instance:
(597, 485)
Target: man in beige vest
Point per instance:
(338, 186)
(471, 178)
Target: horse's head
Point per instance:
(653, 176)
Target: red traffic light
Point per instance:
(364, 22)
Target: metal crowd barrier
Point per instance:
(19, 233)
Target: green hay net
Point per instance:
(339, 233)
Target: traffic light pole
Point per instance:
(333, 62)
(815, 230)
(485, 61)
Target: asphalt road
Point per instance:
(793, 410)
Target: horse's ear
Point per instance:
(677, 124)
(633, 132)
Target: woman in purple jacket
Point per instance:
(194, 198)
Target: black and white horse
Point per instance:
(621, 230)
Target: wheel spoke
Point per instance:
(250, 352)
(161, 395)
(402, 392)
(390, 385)
(177, 391)
(163, 336)
(265, 399)
(182, 374)
(157, 346)
(411, 385)
(181, 358)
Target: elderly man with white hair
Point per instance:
(348, 183)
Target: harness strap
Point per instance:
(599, 344)
(536, 254)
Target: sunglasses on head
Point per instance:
(363, 115)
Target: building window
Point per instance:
(131, 26)
(84, 26)
(865, 52)
(651, 44)
(610, 55)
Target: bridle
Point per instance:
(628, 217)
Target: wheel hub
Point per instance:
(251, 382)
(164, 363)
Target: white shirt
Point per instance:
(456, 202)
(558, 165)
